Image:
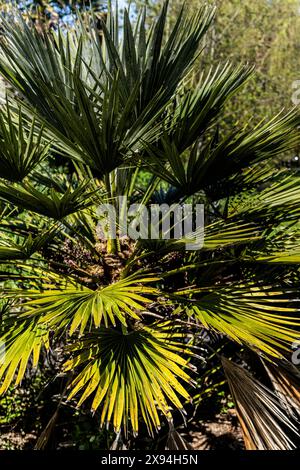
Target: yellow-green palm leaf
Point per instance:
(131, 374)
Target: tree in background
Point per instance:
(51, 13)
(259, 32)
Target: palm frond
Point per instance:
(175, 441)
(78, 308)
(215, 162)
(264, 421)
(22, 147)
(99, 112)
(130, 374)
(9, 250)
(220, 234)
(54, 205)
(260, 316)
(285, 378)
(246, 147)
(278, 202)
(24, 340)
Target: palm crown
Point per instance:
(98, 115)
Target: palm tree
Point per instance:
(92, 119)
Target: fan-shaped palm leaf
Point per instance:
(54, 205)
(129, 374)
(76, 308)
(262, 317)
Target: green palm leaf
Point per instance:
(23, 341)
(130, 374)
(54, 205)
(22, 147)
(77, 307)
(262, 317)
(82, 95)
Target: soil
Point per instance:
(222, 433)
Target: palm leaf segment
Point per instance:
(76, 307)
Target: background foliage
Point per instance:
(259, 32)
